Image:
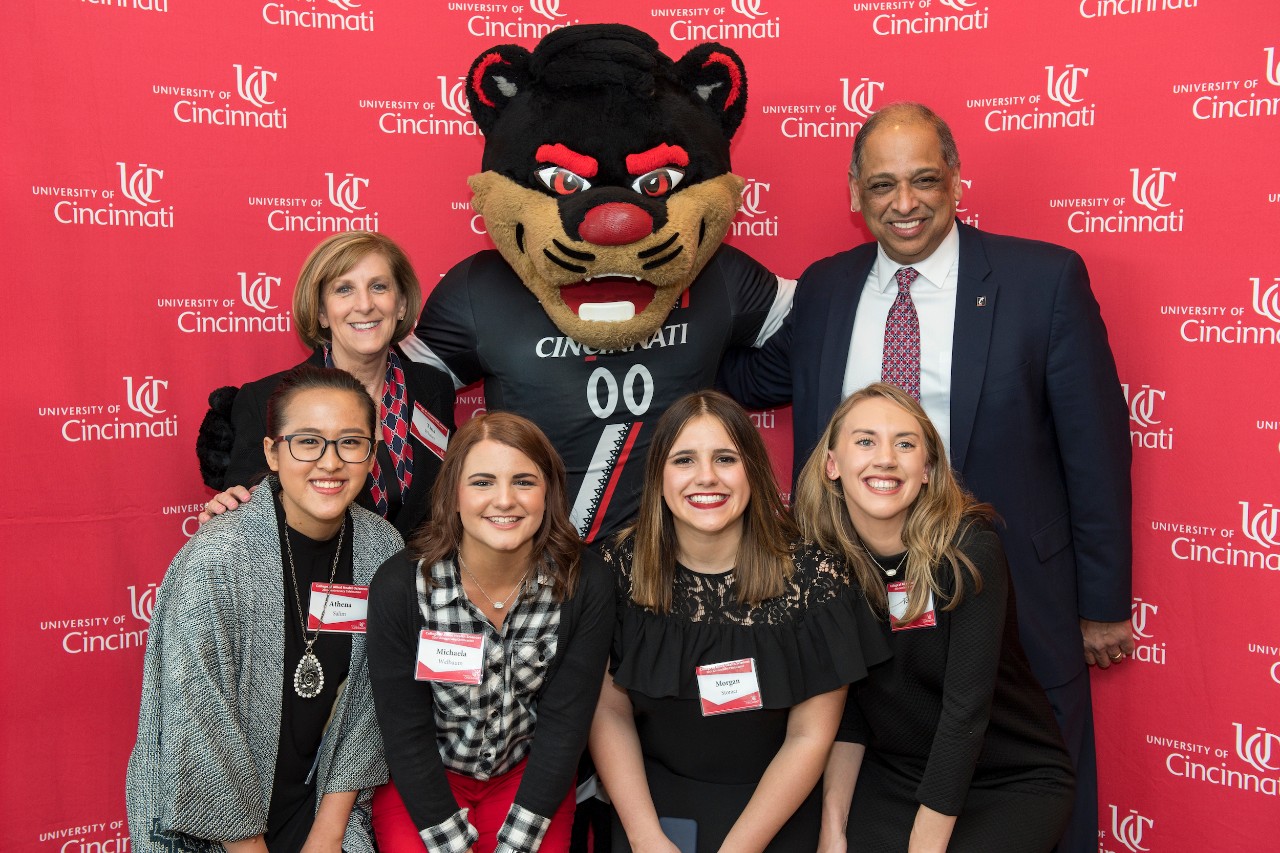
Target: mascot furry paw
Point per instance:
(606, 187)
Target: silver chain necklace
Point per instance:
(496, 605)
(308, 678)
(890, 572)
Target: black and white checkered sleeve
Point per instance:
(454, 835)
(522, 831)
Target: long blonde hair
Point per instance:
(932, 522)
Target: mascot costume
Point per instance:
(606, 187)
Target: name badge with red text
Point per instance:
(346, 611)
(897, 591)
(728, 687)
(450, 656)
(428, 429)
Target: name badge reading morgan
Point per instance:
(428, 429)
(729, 687)
(346, 611)
(450, 656)
(897, 592)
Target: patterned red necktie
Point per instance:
(901, 365)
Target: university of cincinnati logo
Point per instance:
(1273, 66)
(753, 197)
(1262, 526)
(256, 293)
(142, 604)
(1141, 611)
(1142, 404)
(1128, 830)
(1148, 190)
(252, 87)
(1267, 302)
(859, 99)
(1062, 85)
(749, 9)
(1258, 749)
(958, 5)
(145, 399)
(139, 187)
(549, 9)
(454, 98)
(344, 193)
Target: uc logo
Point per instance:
(1138, 620)
(145, 399)
(1267, 302)
(454, 98)
(1142, 405)
(549, 9)
(1273, 67)
(1062, 87)
(142, 605)
(748, 8)
(257, 293)
(859, 99)
(958, 5)
(1128, 830)
(253, 86)
(139, 186)
(345, 194)
(1149, 191)
(753, 197)
(1262, 526)
(1256, 750)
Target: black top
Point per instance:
(303, 721)
(597, 407)
(425, 386)
(405, 706)
(818, 636)
(958, 706)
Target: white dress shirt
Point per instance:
(934, 295)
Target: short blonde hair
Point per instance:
(334, 258)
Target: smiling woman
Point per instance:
(726, 681)
(357, 295)
(257, 729)
(486, 642)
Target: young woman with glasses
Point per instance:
(256, 730)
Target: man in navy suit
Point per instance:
(1016, 373)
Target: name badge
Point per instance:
(450, 656)
(347, 610)
(728, 687)
(897, 591)
(428, 429)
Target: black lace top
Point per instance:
(817, 636)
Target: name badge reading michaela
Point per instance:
(728, 687)
(344, 613)
(450, 656)
(897, 592)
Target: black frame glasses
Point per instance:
(352, 449)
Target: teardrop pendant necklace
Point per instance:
(308, 678)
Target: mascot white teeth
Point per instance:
(606, 187)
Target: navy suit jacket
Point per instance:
(1039, 426)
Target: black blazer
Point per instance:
(424, 385)
(1039, 425)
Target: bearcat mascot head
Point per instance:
(606, 182)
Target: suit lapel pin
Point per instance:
(982, 302)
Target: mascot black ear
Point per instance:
(497, 76)
(714, 75)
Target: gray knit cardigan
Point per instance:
(209, 726)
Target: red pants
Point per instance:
(488, 804)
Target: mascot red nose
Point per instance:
(606, 187)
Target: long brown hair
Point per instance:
(556, 546)
(764, 554)
(931, 524)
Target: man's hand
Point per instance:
(1106, 643)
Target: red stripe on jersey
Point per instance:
(613, 481)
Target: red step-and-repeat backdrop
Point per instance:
(168, 164)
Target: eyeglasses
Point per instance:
(307, 447)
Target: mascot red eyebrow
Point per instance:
(606, 187)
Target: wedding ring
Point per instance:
(1118, 656)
